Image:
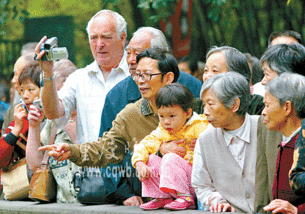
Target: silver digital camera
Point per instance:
(52, 51)
(38, 104)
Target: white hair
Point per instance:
(121, 24)
(158, 39)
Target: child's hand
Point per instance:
(19, 114)
(35, 116)
(144, 171)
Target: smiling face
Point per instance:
(173, 118)
(29, 91)
(106, 47)
(217, 114)
(138, 43)
(150, 88)
(274, 113)
(269, 74)
(215, 64)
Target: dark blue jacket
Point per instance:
(127, 91)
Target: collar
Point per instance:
(123, 66)
(287, 139)
(146, 109)
(242, 132)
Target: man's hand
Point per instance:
(47, 66)
(60, 151)
(281, 206)
(173, 147)
(133, 201)
(222, 207)
(144, 171)
(35, 116)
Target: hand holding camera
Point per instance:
(52, 52)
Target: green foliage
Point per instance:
(161, 8)
(13, 12)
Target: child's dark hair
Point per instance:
(175, 94)
(31, 73)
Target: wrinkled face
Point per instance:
(107, 49)
(269, 74)
(217, 114)
(215, 64)
(274, 113)
(173, 118)
(18, 67)
(283, 40)
(150, 88)
(29, 91)
(138, 43)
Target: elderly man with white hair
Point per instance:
(85, 90)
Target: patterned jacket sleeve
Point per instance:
(297, 173)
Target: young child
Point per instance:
(17, 131)
(170, 176)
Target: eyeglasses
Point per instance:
(146, 77)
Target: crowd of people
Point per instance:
(230, 140)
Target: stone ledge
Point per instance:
(26, 207)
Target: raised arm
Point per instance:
(53, 108)
(33, 156)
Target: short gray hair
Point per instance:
(235, 60)
(158, 39)
(121, 24)
(289, 87)
(227, 87)
(283, 58)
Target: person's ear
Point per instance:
(236, 105)
(189, 113)
(123, 39)
(169, 77)
(288, 107)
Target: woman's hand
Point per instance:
(144, 172)
(281, 206)
(19, 114)
(35, 116)
(60, 151)
(222, 207)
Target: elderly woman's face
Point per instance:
(269, 74)
(215, 64)
(217, 114)
(274, 113)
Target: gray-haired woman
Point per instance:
(225, 153)
(284, 110)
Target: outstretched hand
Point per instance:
(60, 151)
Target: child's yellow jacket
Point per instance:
(151, 143)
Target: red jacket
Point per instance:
(8, 143)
